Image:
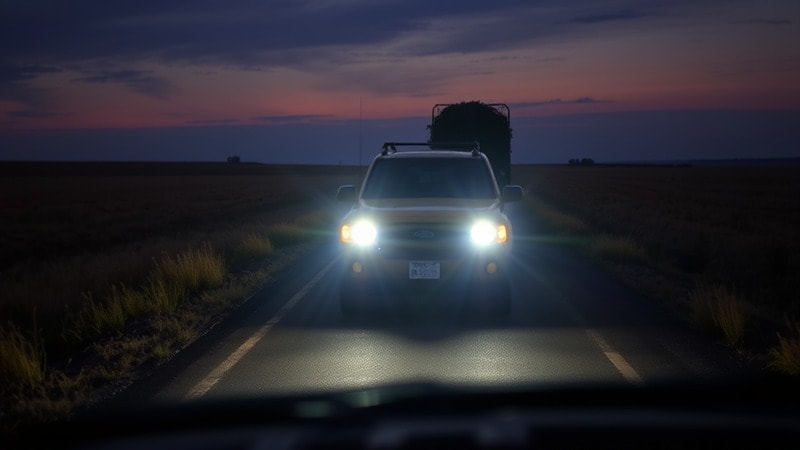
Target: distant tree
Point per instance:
(574, 162)
(233, 159)
(587, 161)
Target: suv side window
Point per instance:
(429, 178)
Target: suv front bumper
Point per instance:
(478, 277)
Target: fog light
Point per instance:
(357, 267)
(491, 267)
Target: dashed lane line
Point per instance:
(623, 367)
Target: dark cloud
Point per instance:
(237, 32)
(316, 36)
(625, 14)
(14, 88)
(31, 114)
(140, 81)
(273, 32)
(21, 73)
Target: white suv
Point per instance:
(426, 226)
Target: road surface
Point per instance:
(570, 323)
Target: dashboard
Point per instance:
(421, 417)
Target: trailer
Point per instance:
(488, 124)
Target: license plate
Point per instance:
(423, 270)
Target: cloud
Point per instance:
(236, 32)
(140, 81)
(15, 88)
(263, 33)
(293, 118)
(214, 122)
(558, 101)
(769, 22)
(21, 73)
(360, 45)
(625, 14)
(28, 114)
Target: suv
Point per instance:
(426, 226)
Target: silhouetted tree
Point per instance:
(581, 162)
(233, 159)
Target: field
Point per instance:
(80, 218)
(675, 231)
(105, 267)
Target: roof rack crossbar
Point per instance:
(391, 147)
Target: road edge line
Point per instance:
(205, 385)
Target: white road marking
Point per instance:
(201, 388)
(623, 367)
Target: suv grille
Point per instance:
(423, 241)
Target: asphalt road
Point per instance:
(570, 323)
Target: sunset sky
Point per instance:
(322, 81)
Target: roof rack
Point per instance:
(391, 147)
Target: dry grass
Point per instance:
(172, 280)
(720, 309)
(127, 342)
(785, 356)
(555, 219)
(285, 234)
(177, 277)
(253, 245)
(21, 358)
(616, 248)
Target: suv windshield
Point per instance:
(430, 178)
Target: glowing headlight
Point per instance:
(485, 233)
(361, 233)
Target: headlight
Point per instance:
(361, 233)
(484, 233)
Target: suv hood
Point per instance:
(434, 209)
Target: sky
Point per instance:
(328, 81)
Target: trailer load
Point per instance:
(488, 124)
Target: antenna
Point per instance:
(360, 115)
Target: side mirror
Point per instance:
(512, 193)
(346, 194)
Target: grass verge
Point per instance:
(719, 309)
(22, 362)
(785, 356)
(712, 306)
(113, 338)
